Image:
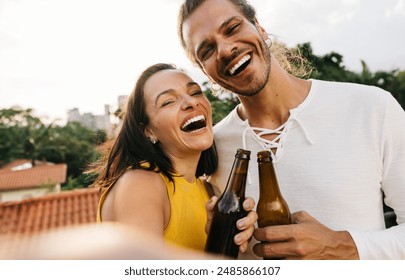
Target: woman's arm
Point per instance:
(139, 199)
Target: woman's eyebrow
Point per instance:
(171, 91)
(168, 91)
(192, 84)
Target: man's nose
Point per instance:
(225, 50)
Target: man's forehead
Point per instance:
(205, 19)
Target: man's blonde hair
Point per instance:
(291, 59)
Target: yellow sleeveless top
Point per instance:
(188, 216)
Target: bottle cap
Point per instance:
(241, 153)
(264, 156)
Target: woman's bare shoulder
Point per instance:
(139, 198)
(137, 175)
(138, 185)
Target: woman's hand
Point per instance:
(246, 225)
(209, 206)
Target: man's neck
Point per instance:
(271, 107)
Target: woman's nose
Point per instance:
(190, 102)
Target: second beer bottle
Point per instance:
(229, 209)
(272, 209)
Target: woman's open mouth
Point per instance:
(194, 124)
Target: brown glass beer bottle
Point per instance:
(272, 209)
(229, 209)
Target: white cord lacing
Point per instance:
(278, 142)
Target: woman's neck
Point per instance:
(186, 167)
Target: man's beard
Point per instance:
(256, 85)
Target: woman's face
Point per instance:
(179, 113)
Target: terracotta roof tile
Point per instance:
(39, 175)
(49, 212)
(12, 164)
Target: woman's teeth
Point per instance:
(194, 123)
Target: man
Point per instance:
(338, 148)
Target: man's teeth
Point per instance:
(239, 64)
(194, 119)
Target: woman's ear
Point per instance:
(150, 135)
(147, 131)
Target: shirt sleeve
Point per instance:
(389, 243)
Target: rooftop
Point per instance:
(49, 212)
(21, 174)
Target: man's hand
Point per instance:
(246, 224)
(305, 238)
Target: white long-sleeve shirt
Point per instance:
(340, 151)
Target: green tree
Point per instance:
(331, 67)
(221, 105)
(76, 145)
(328, 67)
(22, 135)
(400, 91)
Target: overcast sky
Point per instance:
(59, 54)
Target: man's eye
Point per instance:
(232, 29)
(206, 53)
(196, 93)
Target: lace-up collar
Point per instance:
(281, 132)
(258, 133)
(277, 143)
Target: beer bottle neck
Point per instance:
(237, 179)
(268, 180)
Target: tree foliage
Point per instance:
(221, 105)
(23, 135)
(330, 67)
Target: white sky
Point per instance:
(59, 54)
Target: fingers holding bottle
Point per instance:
(246, 225)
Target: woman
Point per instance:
(152, 174)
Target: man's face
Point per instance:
(228, 47)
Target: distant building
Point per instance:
(94, 122)
(122, 102)
(21, 179)
(102, 122)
